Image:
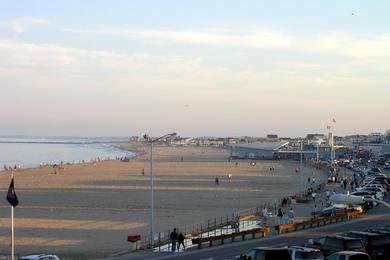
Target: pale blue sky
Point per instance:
(194, 67)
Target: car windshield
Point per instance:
(335, 243)
(277, 254)
(354, 244)
(308, 255)
(359, 257)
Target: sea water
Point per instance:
(28, 152)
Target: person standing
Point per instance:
(180, 241)
(291, 215)
(280, 216)
(265, 214)
(173, 237)
(229, 176)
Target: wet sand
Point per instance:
(87, 210)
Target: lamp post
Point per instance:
(151, 141)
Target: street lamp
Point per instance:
(151, 141)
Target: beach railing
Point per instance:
(212, 227)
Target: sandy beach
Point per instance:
(87, 210)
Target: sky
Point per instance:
(198, 68)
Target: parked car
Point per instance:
(368, 194)
(373, 242)
(307, 253)
(39, 257)
(333, 210)
(267, 253)
(349, 255)
(332, 244)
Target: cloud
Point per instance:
(21, 24)
(349, 45)
(31, 55)
(334, 43)
(216, 38)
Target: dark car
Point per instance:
(373, 242)
(331, 244)
(330, 211)
(267, 253)
(384, 231)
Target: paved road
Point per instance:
(378, 216)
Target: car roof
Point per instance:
(350, 253)
(343, 237)
(306, 249)
(35, 256)
(269, 248)
(30, 256)
(379, 230)
(362, 233)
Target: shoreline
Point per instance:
(106, 146)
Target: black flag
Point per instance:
(11, 195)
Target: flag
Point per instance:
(11, 195)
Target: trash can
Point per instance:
(135, 242)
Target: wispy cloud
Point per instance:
(215, 38)
(21, 24)
(331, 43)
(49, 55)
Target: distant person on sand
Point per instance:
(284, 202)
(216, 181)
(173, 237)
(180, 240)
(229, 176)
(143, 172)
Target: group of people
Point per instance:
(290, 215)
(177, 239)
(229, 177)
(311, 181)
(10, 168)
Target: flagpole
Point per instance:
(12, 227)
(12, 234)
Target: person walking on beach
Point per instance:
(180, 241)
(173, 237)
(216, 181)
(229, 176)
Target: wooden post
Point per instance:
(185, 232)
(215, 227)
(159, 241)
(169, 239)
(208, 228)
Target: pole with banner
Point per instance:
(13, 201)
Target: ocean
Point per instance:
(31, 152)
